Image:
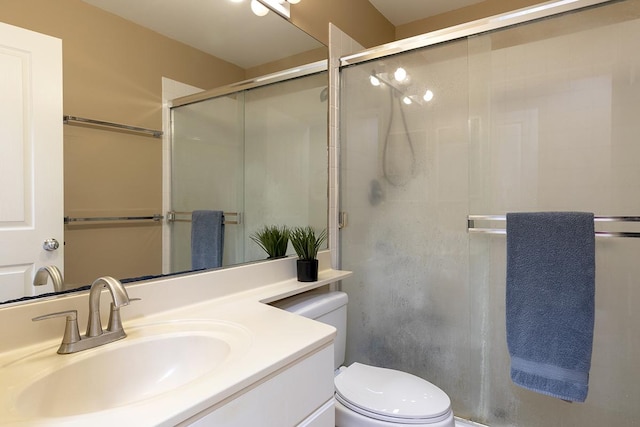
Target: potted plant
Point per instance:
(273, 240)
(306, 245)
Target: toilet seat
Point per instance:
(390, 395)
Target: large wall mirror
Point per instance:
(115, 56)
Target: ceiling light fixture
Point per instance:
(400, 74)
(258, 8)
(281, 7)
(397, 83)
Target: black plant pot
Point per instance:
(307, 270)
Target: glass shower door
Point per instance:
(260, 153)
(208, 172)
(286, 158)
(555, 103)
(536, 117)
(404, 185)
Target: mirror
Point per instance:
(112, 72)
(259, 155)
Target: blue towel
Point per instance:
(207, 239)
(550, 301)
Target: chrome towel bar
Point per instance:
(172, 216)
(151, 132)
(471, 225)
(155, 217)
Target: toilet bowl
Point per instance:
(369, 396)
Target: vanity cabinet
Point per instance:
(300, 394)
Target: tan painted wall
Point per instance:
(365, 24)
(112, 71)
(291, 62)
(470, 13)
(358, 18)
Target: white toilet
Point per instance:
(366, 395)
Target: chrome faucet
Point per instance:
(119, 297)
(72, 342)
(43, 274)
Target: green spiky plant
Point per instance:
(305, 242)
(273, 240)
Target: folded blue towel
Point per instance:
(207, 239)
(550, 301)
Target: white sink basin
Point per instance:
(152, 360)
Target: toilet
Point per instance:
(368, 396)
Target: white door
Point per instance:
(31, 177)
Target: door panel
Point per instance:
(31, 179)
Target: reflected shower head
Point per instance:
(324, 94)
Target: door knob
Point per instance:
(50, 245)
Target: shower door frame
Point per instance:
(464, 31)
(492, 23)
(202, 96)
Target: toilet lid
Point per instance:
(390, 393)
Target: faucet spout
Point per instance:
(43, 274)
(119, 297)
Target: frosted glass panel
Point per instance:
(538, 117)
(404, 185)
(261, 153)
(558, 133)
(207, 171)
(286, 160)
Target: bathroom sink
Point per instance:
(152, 360)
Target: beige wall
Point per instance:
(365, 24)
(358, 18)
(470, 13)
(283, 64)
(112, 67)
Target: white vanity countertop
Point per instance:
(276, 339)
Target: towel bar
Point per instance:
(155, 217)
(152, 132)
(172, 217)
(471, 225)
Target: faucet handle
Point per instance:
(71, 332)
(115, 321)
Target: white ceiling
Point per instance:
(232, 32)
(220, 27)
(400, 12)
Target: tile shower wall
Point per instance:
(541, 116)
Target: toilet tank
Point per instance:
(326, 307)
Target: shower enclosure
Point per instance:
(257, 154)
(538, 116)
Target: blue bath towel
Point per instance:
(550, 301)
(207, 239)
